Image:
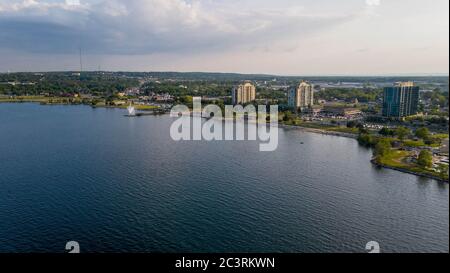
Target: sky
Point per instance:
(283, 37)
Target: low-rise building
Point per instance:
(342, 111)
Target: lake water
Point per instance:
(119, 184)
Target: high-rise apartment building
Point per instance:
(301, 96)
(401, 100)
(244, 93)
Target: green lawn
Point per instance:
(414, 144)
(344, 130)
(42, 99)
(313, 125)
(441, 136)
(65, 100)
(396, 159)
(25, 99)
(144, 107)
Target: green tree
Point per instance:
(366, 140)
(383, 148)
(362, 130)
(423, 133)
(402, 132)
(288, 116)
(433, 141)
(352, 124)
(386, 132)
(186, 100)
(443, 170)
(425, 159)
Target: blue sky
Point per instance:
(289, 37)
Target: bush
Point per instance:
(402, 132)
(423, 133)
(352, 124)
(425, 159)
(383, 148)
(366, 140)
(288, 116)
(387, 132)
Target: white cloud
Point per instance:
(283, 36)
(147, 26)
(73, 2)
(373, 2)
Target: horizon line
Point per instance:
(436, 74)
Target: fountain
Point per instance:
(131, 111)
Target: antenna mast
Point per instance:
(81, 63)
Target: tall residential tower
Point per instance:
(301, 96)
(244, 93)
(401, 100)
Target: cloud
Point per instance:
(373, 2)
(149, 26)
(73, 2)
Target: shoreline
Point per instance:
(374, 162)
(296, 127)
(319, 131)
(143, 108)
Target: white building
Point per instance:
(243, 93)
(301, 96)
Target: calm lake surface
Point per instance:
(119, 184)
